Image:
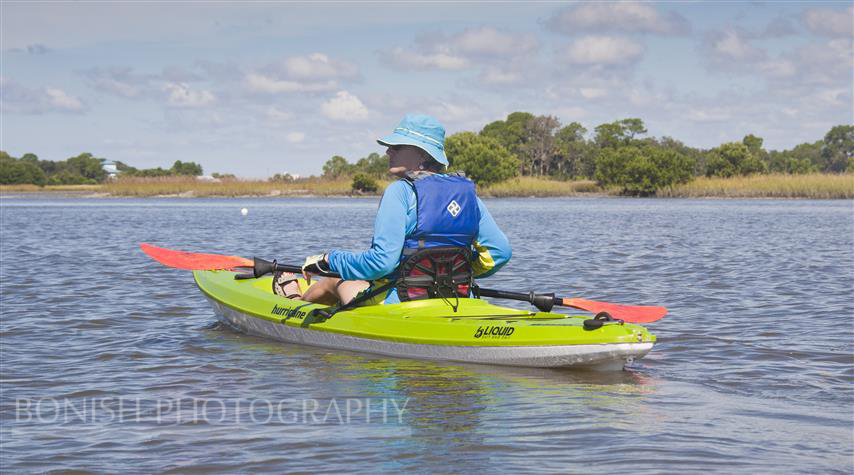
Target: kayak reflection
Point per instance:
(452, 406)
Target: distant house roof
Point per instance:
(110, 167)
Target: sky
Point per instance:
(258, 88)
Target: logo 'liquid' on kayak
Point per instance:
(492, 331)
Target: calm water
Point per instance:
(753, 371)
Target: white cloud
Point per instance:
(713, 114)
(295, 137)
(16, 98)
(592, 92)
(316, 72)
(570, 113)
(453, 111)
(345, 107)
(491, 42)
(501, 55)
(731, 44)
(256, 82)
(180, 95)
(780, 68)
(834, 97)
(779, 27)
(119, 81)
(412, 60)
(60, 100)
(279, 115)
(829, 22)
(605, 50)
(825, 64)
(317, 66)
(498, 76)
(629, 17)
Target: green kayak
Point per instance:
(477, 332)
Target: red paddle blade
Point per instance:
(193, 260)
(629, 313)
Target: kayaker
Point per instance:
(427, 207)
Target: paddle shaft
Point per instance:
(263, 267)
(544, 302)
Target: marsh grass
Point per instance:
(539, 187)
(814, 185)
(189, 186)
(36, 188)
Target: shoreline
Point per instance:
(4, 194)
(810, 186)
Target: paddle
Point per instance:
(193, 260)
(260, 267)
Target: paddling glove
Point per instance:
(315, 265)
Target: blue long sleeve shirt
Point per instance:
(396, 219)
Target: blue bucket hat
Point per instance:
(421, 131)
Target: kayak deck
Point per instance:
(477, 332)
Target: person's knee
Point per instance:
(348, 289)
(322, 291)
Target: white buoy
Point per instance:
(244, 211)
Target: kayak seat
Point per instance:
(436, 272)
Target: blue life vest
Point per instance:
(447, 213)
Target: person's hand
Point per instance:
(314, 264)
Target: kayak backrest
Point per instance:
(436, 272)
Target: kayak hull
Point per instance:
(600, 357)
(476, 332)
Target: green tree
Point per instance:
(287, 177)
(732, 159)
(374, 165)
(125, 169)
(18, 172)
(753, 144)
(621, 132)
(642, 170)
(695, 155)
(483, 159)
(185, 168)
(632, 128)
(760, 157)
(838, 150)
(87, 166)
(154, 172)
(335, 167)
(804, 158)
(66, 177)
(364, 183)
(572, 150)
(510, 133)
(539, 147)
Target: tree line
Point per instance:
(80, 170)
(615, 154)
